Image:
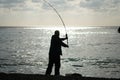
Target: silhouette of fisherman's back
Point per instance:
(55, 52)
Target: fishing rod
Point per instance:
(58, 16)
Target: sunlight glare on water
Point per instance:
(92, 51)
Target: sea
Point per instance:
(92, 52)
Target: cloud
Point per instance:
(36, 1)
(62, 5)
(20, 5)
(58, 4)
(31, 5)
(100, 5)
(10, 3)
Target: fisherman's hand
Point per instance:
(66, 36)
(67, 46)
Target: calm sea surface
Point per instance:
(93, 51)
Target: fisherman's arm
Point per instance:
(63, 44)
(64, 38)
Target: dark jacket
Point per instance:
(55, 47)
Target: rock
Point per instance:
(74, 76)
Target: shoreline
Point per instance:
(75, 76)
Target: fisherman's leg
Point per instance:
(57, 66)
(49, 69)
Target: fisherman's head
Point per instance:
(57, 33)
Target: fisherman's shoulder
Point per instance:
(54, 36)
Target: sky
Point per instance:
(73, 12)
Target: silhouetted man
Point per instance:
(55, 52)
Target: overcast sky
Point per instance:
(73, 12)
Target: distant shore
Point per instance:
(18, 76)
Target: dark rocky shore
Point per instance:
(14, 76)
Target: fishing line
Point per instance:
(58, 16)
